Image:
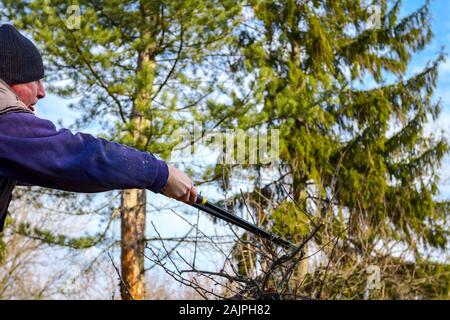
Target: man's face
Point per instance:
(29, 93)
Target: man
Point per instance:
(33, 152)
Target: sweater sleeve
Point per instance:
(34, 152)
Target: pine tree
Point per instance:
(354, 154)
(134, 63)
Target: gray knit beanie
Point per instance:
(20, 60)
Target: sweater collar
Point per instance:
(9, 101)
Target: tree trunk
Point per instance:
(133, 229)
(298, 194)
(132, 244)
(133, 206)
(133, 213)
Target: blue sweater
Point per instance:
(33, 152)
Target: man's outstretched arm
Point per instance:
(34, 152)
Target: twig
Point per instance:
(124, 284)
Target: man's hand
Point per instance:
(179, 186)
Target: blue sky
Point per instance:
(440, 10)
